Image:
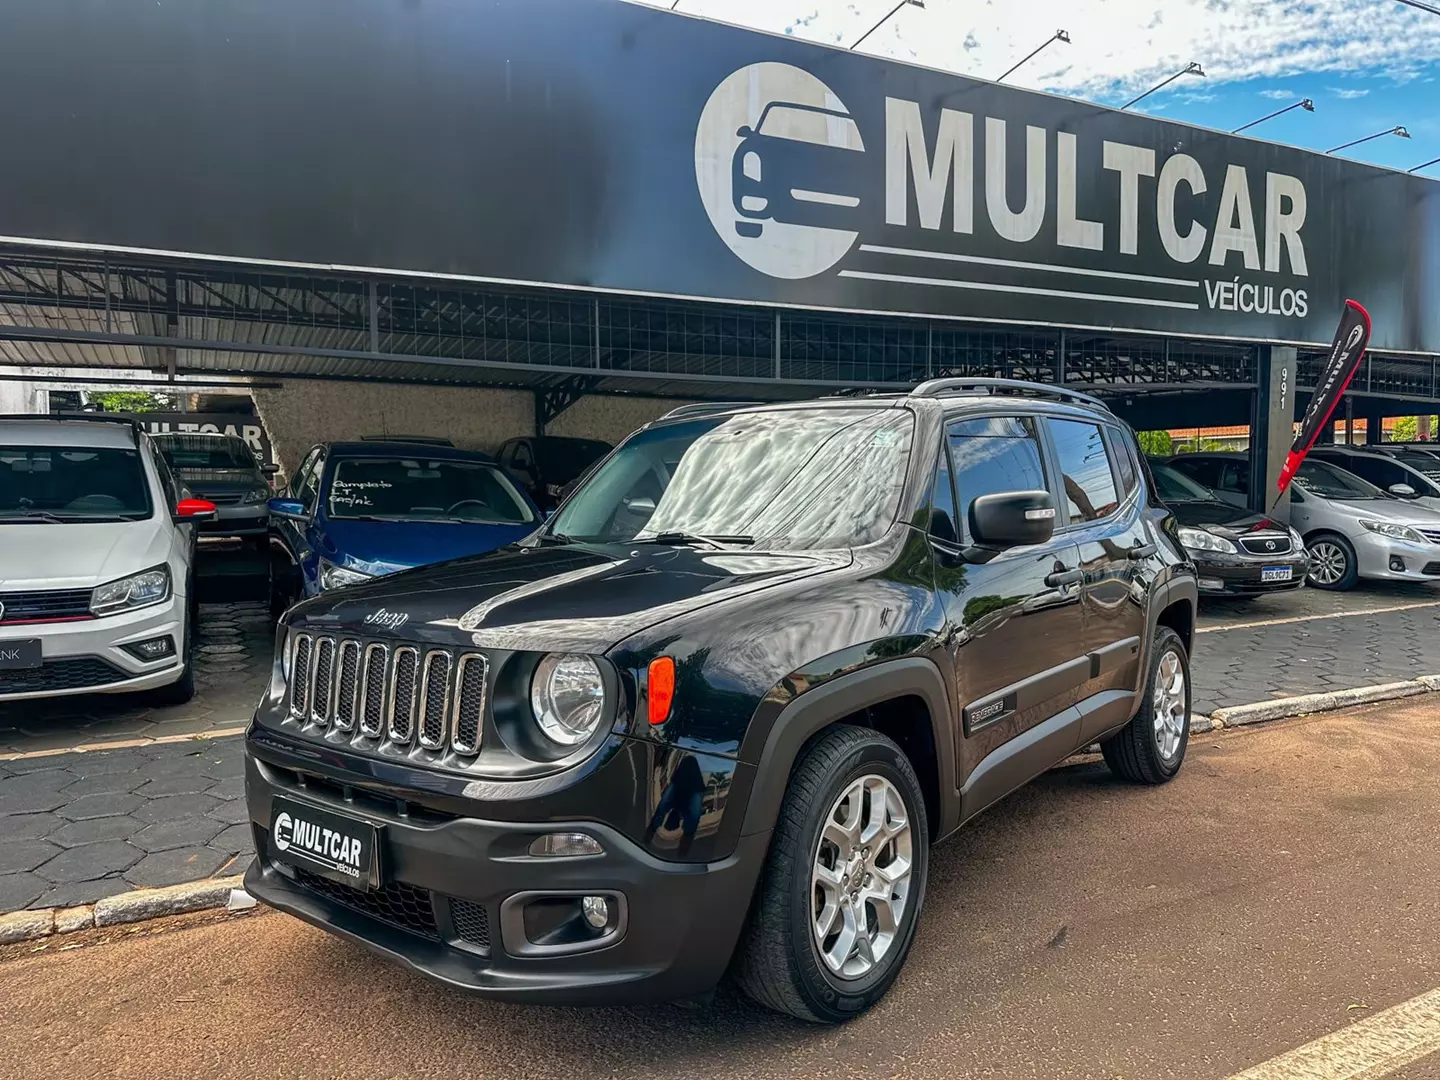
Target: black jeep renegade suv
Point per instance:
(716, 712)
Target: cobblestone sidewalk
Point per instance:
(78, 827)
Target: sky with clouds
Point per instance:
(1368, 65)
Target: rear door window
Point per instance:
(1086, 474)
(1124, 461)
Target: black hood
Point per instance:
(581, 597)
(1222, 519)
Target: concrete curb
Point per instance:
(138, 905)
(1306, 704)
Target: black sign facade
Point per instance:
(240, 425)
(595, 143)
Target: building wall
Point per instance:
(609, 417)
(304, 412)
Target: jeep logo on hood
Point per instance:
(390, 620)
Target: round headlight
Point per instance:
(568, 697)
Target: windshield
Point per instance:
(794, 478)
(190, 453)
(561, 460)
(1174, 486)
(72, 483)
(1420, 462)
(414, 489)
(1329, 482)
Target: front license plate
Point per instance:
(16, 655)
(331, 845)
(1276, 573)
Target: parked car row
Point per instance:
(1351, 528)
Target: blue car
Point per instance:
(358, 510)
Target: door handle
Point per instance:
(1064, 577)
(1142, 551)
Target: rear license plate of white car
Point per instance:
(1276, 573)
(15, 655)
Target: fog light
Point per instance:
(152, 649)
(597, 911)
(565, 845)
(1397, 564)
(1211, 583)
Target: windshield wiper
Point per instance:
(35, 515)
(556, 538)
(693, 538)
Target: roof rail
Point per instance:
(703, 408)
(937, 387)
(134, 425)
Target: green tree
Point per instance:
(1155, 443)
(1407, 429)
(132, 401)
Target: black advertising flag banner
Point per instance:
(1346, 352)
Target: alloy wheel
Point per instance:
(1328, 562)
(1170, 707)
(860, 879)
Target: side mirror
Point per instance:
(1012, 519)
(194, 510)
(293, 509)
(269, 468)
(1403, 491)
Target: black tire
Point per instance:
(778, 962)
(182, 690)
(1135, 753)
(1326, 543)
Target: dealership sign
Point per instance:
(600, 144)
(240, 425)
(779, 169)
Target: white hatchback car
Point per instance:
(96, 577)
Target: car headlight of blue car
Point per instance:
(336, 577)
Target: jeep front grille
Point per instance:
(402, 695)
(406, 696)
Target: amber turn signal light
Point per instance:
(660, 689)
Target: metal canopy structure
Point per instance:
(174, 317)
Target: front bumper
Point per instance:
(1377, 555)
(87, 656)
(680, 920)
(1241, 575)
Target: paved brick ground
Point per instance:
(1284, 645)
(76, 827)
(235, 641)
